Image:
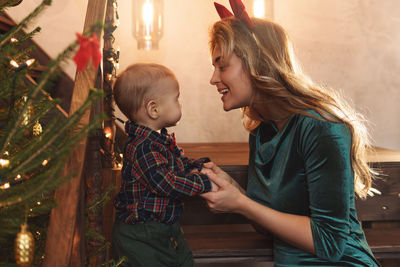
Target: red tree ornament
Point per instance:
(89, 48)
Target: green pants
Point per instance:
(151, 244)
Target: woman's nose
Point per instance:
(214, 78)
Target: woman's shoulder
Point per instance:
(314, 124)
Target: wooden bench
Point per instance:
(216, 238)
(224, 238)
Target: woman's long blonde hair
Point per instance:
(267, 55)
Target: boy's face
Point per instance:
(170, 108)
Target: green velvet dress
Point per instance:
(305, 169)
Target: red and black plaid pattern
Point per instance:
(156, 176)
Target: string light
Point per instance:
(4, 162)
(30, 62)
(13, 40)
(26, 64)
(6, 153)
(111, 65)
(14, 63)
(17, 180)
(107, 132)
(44, 163)
(5, 186)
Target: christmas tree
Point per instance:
(35, 139)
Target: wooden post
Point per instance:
(64, 245)
(94, 181)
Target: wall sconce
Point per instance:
(148, 23)
(263, 9)
(259, 8)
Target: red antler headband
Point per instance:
(238, 9)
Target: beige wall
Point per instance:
(351, 45)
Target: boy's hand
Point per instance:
(214, 187)
(194, 171)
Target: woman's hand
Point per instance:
(218, 171)
(228, 198)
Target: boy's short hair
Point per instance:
(132, 85)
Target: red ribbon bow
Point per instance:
(89, 48)
(238, 9)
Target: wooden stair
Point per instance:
(63, 85)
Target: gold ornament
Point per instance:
(37, 128)
(24, 247)
(28, 114)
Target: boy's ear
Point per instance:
(152, 109)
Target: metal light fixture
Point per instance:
(148, 23)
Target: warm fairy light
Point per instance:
(119, 165)
(109, 76)
(6, 153)
(13, 40)
(115, 5)
(5, 186)
(117, 65)
(259, 9)
(107, 132)
(44, 163)
(4, 162)
(111, 59)
(121, 155)
(27, 63)
(39, 202)
(30, 62)
(18, 177)
(14, 63)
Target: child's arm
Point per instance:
(154, 172)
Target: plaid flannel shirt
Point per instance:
(156, 176)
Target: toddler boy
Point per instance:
(156, 176)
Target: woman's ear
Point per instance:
(152, 109)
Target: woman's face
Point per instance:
(232, 81)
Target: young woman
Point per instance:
(307, 148)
